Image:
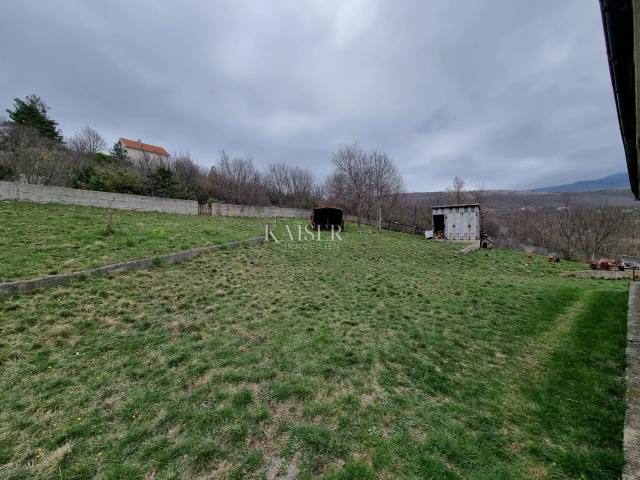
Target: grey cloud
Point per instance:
(508, 94)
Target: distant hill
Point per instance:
(509, 200)
(617, 180)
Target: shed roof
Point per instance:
(460, 205)
(325, 207)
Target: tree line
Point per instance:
(577, 230)
(33, 150)
(366, 184)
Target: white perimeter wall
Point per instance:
(230, 210)
(72, 196)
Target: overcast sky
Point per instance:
(506, 93)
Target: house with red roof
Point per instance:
(138, 151)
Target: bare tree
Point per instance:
(363, 182)
(479, 196)
(383, 179)
(190, 175)
(349, 179)
(87, 141)
(457, 194)
(27, 157)
(237, 181)
(597, 229)
(336, 188)
(578, 230)
(565, 224)
(147, 163)
(289, 185)
(407, 210)
(488, 227)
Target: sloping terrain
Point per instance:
(378, 356)
(44, 239)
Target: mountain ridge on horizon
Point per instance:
(614, 181)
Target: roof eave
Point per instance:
(619, 24)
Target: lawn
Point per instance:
(386, 357)
(45, 239)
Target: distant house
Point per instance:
(138, 151)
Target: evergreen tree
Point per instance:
(119, 151)
(32, 112)
(163, 183)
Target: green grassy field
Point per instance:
(386, 357)
(45, 239)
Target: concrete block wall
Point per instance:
(230, 210)
(72, 196)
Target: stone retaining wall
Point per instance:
(603, 274)
(472, 247)
(27, 286)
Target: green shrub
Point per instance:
(163, 183)
(116, 179)
(6, 173)
(104, 158)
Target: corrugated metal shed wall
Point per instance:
(460, 222)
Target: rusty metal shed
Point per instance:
(327, 217)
